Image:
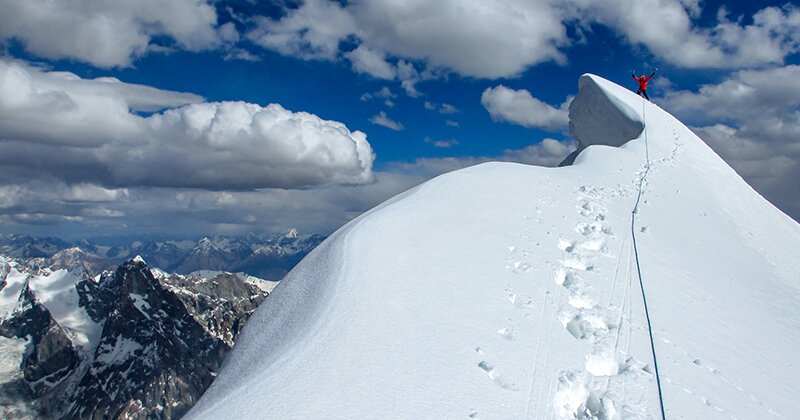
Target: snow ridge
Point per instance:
(521, 301)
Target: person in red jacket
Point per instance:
(642, 83)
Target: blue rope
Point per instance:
(638, 267)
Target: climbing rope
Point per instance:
(638, 267)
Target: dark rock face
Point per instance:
(163, 341)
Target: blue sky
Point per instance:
(384, 94)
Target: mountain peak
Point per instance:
(525, 300)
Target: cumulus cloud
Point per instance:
(666, 28)
(111, 34)
(312, 31)
(472, 38)
(520, 107)
(502, 39)
(382, 38)
(383, 120)
(57, 124)
(752, 119)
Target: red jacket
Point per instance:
(643, 80)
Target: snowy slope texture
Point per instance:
(524, 300)
(129, 343)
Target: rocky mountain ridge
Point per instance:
(134, 342)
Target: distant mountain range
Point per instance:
(263, 256)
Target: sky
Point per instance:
(141, 118)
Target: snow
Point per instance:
(523, 299)
(121, 352)
(264, 285)
(58, 294)
(56, 291)
(140, 302)
(15, 399)
(15, 282)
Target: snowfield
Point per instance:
(511, 291)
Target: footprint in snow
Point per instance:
(566, 245)
(577, 264)
(490, 371)
(506, 333)
(593, 244)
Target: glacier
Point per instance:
(512, 291)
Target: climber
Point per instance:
(642, 83)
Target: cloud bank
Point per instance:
(112, 33)
(416, 40)
(87, 131)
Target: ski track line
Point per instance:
(620, 320)
(550, 386)
(536, 352)
(616, 274)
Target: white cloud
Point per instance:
(371, 62)
(42, 205)
(472, 38)
(409, 86)
(666, 28)
(451, 123)
(549, 152)
(240, 54)
(443, 144)
(766, 93)
(384, 93)
(312, 31)
(57, 124)
(60, 108)
(442, 108)
(383, 120)
(45, 207)
(110, 34)
(448, 109)
(520, 107)
(502, 39)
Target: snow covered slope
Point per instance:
(523, 299)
